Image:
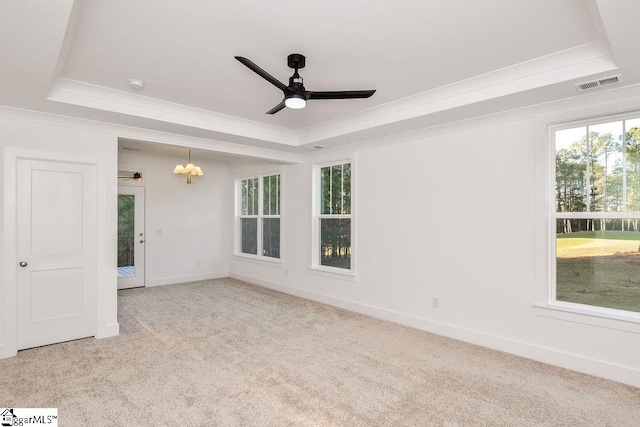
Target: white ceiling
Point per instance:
(429, 60)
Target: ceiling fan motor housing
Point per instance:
(296, 60)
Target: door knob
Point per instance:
(141, 241)
(23, 264)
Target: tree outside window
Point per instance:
(335, 216)
(597, 215)
(260, 216)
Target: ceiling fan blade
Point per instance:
(344, 94)
(276, 108)
(262, 73)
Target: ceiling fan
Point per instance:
(295, 95)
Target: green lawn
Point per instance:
(599, 268)
(337, 262)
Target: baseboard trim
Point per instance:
(183, 279)
(574, 362)
(110, 330)
(6, 352)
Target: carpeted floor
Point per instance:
(223, 352)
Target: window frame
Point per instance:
(315, 265)
(545, 303)
(259, 257)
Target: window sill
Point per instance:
(333, 273)
(253, 259)
(596, 316)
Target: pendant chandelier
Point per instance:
(188, 174)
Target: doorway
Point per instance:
(131, 237)
(56, 247)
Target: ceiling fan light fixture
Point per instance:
(295, 95)
(296, 102)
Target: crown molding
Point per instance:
(148, 135)
(612, 101)
(88, 95)
(571, 64)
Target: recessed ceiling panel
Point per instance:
(184, 51)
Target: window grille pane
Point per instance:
(266, 195)
(606, 168)
(336, 189)
(346, 189)
(325, 191)
(271, 195)
(632, 147)
(271, 237)
(335, 243)
(249, 205)
(244, 203)
(253, 196)
(275, 199)
(571, 170)
(598, 262)
(249, 235)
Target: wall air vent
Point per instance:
(605, 81)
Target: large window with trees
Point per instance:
(333, 216)
(597, 215)
(259, 218)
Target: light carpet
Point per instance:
(224, 352)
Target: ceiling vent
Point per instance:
(605, 81)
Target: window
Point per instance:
(596, 215)
(259, 220)
(333, 248)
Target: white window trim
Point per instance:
(545, 304)
(315, 266)
(237, 245)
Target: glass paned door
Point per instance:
(126, 235)
(131, 237)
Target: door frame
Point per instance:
(73, 317)
(143, 217)
(105, 282)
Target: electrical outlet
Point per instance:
(435, 302)
(197, 263)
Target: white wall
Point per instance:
(452, 216)
(186, 225)
(452, 213)
(98, 148)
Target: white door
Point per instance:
(131, 237)
(56, 249)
